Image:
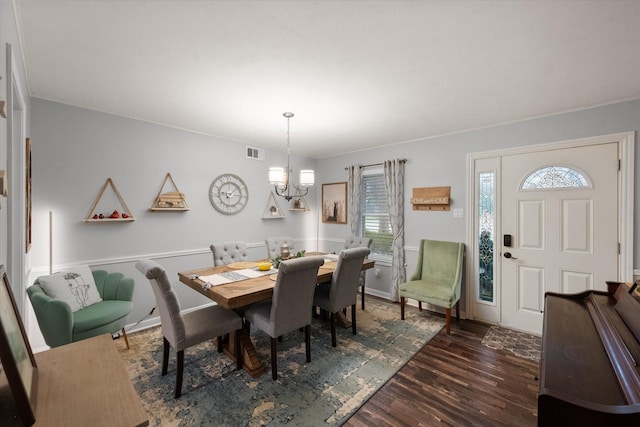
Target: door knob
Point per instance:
(508, 255)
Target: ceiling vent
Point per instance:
(255, 153)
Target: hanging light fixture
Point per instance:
(279, 176)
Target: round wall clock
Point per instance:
(228, 194)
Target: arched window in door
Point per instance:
(554, 177)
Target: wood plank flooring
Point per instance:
(453, 381)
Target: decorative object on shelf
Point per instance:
(431, 199)
(280, 177)
(16, 357)
(334, 203)
(228, 194)
(170, 200)
(298, 203)
(115, 215)
(272, 209)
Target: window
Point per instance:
(554, 177)
(486, 225)
(375, 213)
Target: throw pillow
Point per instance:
(75, 286)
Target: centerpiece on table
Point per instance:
(276, 262)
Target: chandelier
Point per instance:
(279, 176)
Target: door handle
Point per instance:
(508, 255)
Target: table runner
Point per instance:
(234, 276)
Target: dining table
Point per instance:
(238, 285)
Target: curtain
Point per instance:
(354, 198)
(394, 184)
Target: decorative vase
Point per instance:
(284, 251)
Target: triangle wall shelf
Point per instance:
(124, 215)
(171, 200)
(272, 209)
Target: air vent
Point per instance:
(255, 153)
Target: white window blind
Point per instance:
(375, 213)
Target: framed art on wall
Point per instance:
(334, 203)
(18, 363)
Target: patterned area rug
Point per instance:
(324, 392)
(519, 343)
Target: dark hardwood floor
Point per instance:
(453, 381)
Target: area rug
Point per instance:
(324, 392)
(518, 343)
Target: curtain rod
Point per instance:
(376, 164)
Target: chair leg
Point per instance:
(307, 341)
(362, 295)
(402, 302)
(448, 321)
(332, 321)
(126, 340)
(238, 349)
(353, 319)
(458, 312)
(420, 305)
(179, 369)
(274, 363)
(165, 356)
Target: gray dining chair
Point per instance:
(290, 307)
(275, 243)
(354, 241)
(341, 292)
(182, 331)
(228, 252)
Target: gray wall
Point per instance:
(442, 161)
(75, 150)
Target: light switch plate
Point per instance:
(458, 213)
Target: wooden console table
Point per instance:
(85, 383)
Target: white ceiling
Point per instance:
(357, 74)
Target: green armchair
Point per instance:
(437, 279)
(59, 325)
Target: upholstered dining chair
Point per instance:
(182, 331)
(354, 241)
(275, 243)
(228, 252)
(290, 307)
(342, 291)
(437, 279)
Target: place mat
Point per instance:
(242, 265)
(273, 277)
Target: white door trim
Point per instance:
(626, 143)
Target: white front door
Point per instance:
(564, 232)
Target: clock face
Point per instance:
(228, 194)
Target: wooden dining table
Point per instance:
(240, 294)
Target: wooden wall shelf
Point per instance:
(172, 201)
(431, 199)
(124, 209)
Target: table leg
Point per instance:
(250, 361)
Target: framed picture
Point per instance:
(334, 203)
(16, 356)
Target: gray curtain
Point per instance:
(355, 201)
(394, 184)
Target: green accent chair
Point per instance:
(437, 279)
(60, 326)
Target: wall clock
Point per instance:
(228, 194)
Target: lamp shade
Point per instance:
(276, 175)
(307, 177)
